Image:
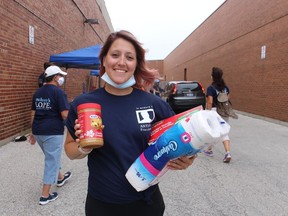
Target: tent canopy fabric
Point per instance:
(85, 58)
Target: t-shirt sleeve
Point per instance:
(63, 101)
(70, 121)
(33, 106)
(162, 110)
(210, 91)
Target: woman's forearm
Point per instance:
(72, 149)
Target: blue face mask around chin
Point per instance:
(124, 85)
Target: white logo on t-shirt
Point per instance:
(145, 116)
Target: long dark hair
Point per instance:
(143, 75)
(218, 82)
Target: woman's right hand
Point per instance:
(77, 133)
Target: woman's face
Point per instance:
(120, 61)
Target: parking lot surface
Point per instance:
(255, 183)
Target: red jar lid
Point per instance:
(89, 105)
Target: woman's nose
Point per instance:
(121, 60)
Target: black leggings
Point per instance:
(95, 207)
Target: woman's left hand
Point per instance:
(181, 163)
(31, 139)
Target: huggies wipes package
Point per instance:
(184, 134)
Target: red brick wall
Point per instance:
(158, 65)
(231, 39)
(59, 28)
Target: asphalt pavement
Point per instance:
(255, 183)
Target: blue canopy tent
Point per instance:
(85, 58)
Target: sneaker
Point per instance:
(208, 153)
(227, 158)
(67, 176)
(50, 198)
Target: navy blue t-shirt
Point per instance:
(128, 120)
(48, 102)
(211, 91)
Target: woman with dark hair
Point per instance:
(218, 85)
(41, 78)
(123, 102)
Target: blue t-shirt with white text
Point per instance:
(127, 124)
(48, 102)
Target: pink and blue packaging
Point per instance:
(185, 134)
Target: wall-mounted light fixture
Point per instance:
(91, 21)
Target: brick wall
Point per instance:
(231, 38)
(158, 65)
(58, 27)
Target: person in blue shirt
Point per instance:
(128, 113)
(157, 90)
(49, 110)
(218, 85)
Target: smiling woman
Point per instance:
(128, 114)
(120, 64)
(123, 60)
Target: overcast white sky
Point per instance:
(160, 25)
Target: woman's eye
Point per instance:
(114, 55)
(130, 58)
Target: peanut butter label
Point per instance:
(91, 126)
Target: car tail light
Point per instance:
(174, 89)
(202, 87)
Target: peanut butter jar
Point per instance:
(90, 120)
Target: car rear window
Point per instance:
(188, 86)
